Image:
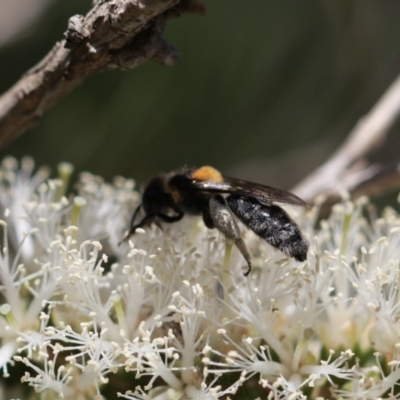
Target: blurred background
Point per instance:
(264, 90)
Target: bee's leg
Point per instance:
(147, 220)
(208, 222)
(224, 220)
(135, 214)
(170, 218)
(167, 218)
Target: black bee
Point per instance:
(219, 199)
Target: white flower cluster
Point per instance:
(162, 317)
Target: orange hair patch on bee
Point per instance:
(207, 173)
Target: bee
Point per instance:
(221, 200)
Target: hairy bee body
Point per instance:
(220, 200)
(271, 223)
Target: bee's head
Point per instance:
(155, 197)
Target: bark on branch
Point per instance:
(115, 34)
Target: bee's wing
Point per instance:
(266, 195)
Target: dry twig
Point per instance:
(345, 170)
(115, 34)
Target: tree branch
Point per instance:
(372, 181)
(345, 170)
(115, 34)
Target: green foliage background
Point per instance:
(264, 90)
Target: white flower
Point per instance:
(167, 319)
(17, 188)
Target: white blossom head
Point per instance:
(167, 315)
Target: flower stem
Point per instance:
(346, 227)
(301, 347)
(117, 302)
(5, 309)
(65, 171)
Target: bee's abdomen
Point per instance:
(272, 224)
